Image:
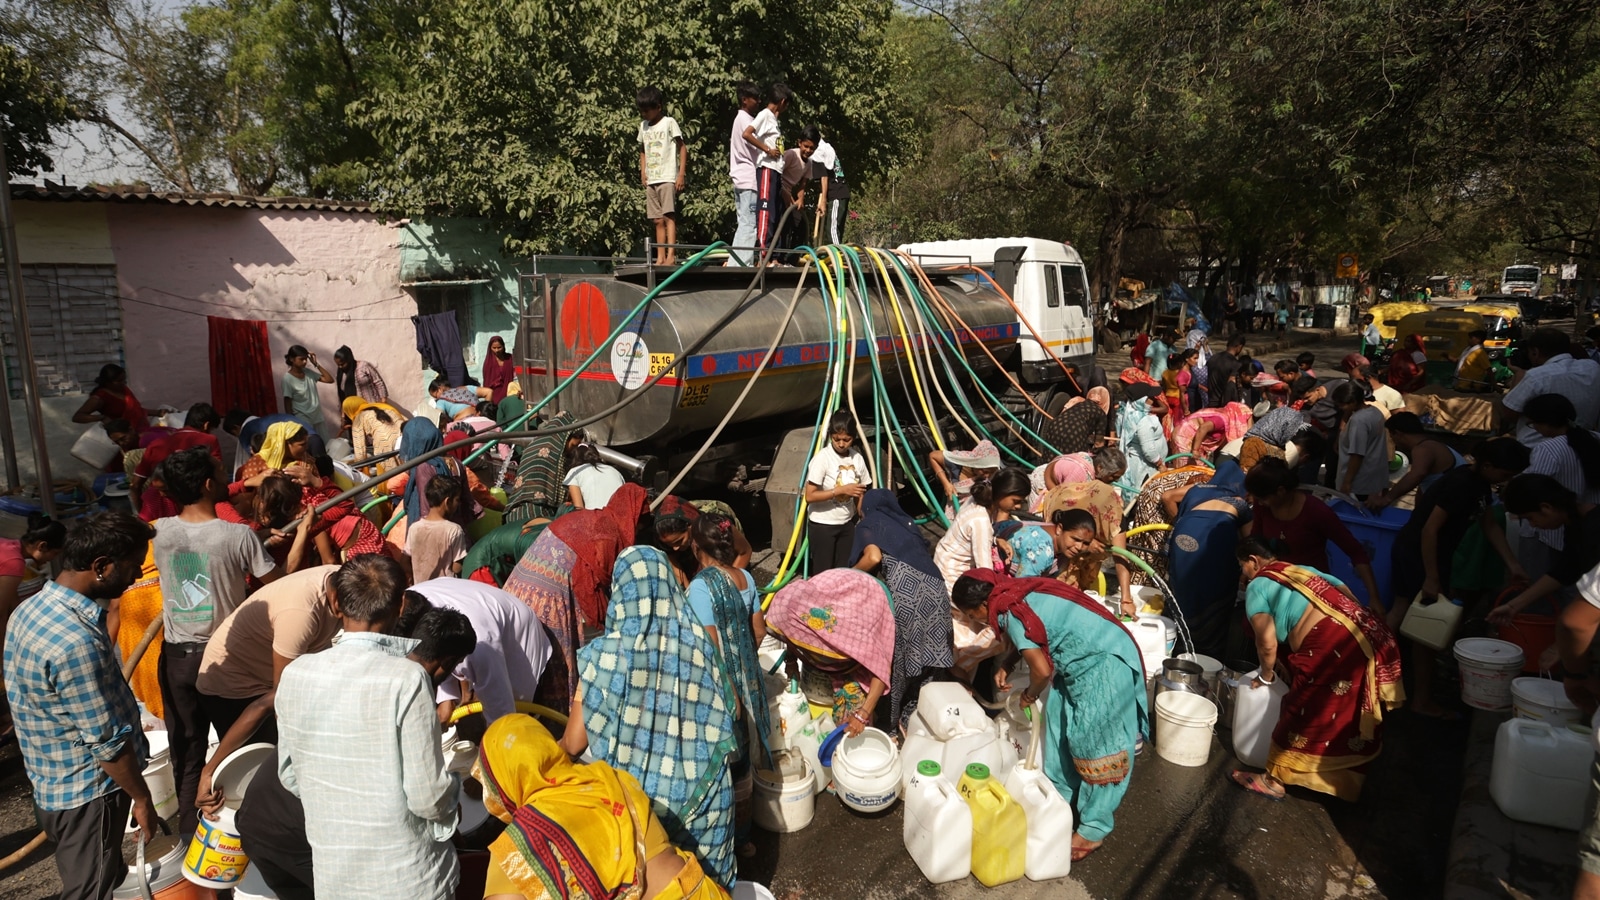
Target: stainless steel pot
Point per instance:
(1181, 675)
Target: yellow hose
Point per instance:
(1158, 526)
(532, 709)
(916, 381)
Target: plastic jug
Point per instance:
(792, 715)
(808, 740)
(938, 826)
(949, 711)
(1432, 624)
(999, 828)
(1540, 773)
(1255, 715)
(950, 728)
(1049, 816)
(1151, 636)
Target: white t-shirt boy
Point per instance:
(768, 132)
(660, 149)
(829, 470)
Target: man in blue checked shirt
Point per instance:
(77, 723)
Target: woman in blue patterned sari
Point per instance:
(652, 702)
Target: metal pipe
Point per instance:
(8, 440)
(25, 363)
(619, 460)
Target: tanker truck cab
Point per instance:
(1047, 281)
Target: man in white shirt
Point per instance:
(1363, 443)
(511, 652)
(1371, 338)
(359, 745)
(742, 157)
(1554, 371)
(765, 134)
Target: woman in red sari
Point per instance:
(1407, 366)
(1343, 668)
(111, 399)
(499, 370)
(565, 578)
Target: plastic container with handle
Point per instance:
(1432, 624)
(1049, 814)
(1255, 715)
(999, 828)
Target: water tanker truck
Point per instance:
(706, 333)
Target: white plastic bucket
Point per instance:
(785, 795)
(1184, 723)
(216, 859)
(749, 890)
(1487, 669)
(866, 771)
(1542, 700)
(163, 789)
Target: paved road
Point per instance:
(1181, 833)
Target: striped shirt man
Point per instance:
(1555, 457)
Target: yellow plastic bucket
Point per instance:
(216, 859)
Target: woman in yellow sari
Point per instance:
(575, 830)
(285, 442)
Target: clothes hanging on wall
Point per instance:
(439, 343)
(241, 366)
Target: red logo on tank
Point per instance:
(585, 319)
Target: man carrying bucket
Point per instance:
(77, 723)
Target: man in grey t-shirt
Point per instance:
(203, 563)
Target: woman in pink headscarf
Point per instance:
(1205, 431)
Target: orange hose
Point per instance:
(1029, 325)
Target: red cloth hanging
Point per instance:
(241, 366)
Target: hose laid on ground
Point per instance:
(23, 851)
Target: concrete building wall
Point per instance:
(317, 279)
(452, 251)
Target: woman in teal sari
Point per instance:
(1087, 670)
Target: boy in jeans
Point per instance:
(742, 171)
(203, 564)
(662, 165)
(766, 135)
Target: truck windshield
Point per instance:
(1522, 274)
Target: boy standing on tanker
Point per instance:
(766, 135)
(833, 192)
(742, 170)
(662, 165)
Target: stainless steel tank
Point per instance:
(693, 398)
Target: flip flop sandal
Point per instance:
(1255, 783)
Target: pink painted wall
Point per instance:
(317, 279)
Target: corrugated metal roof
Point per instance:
(181, 198)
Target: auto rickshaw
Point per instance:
(1388, 315)
(1503, 321)
(1446, 334)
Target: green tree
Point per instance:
(522, 110)
(33, 104)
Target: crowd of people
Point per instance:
(350, 635)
